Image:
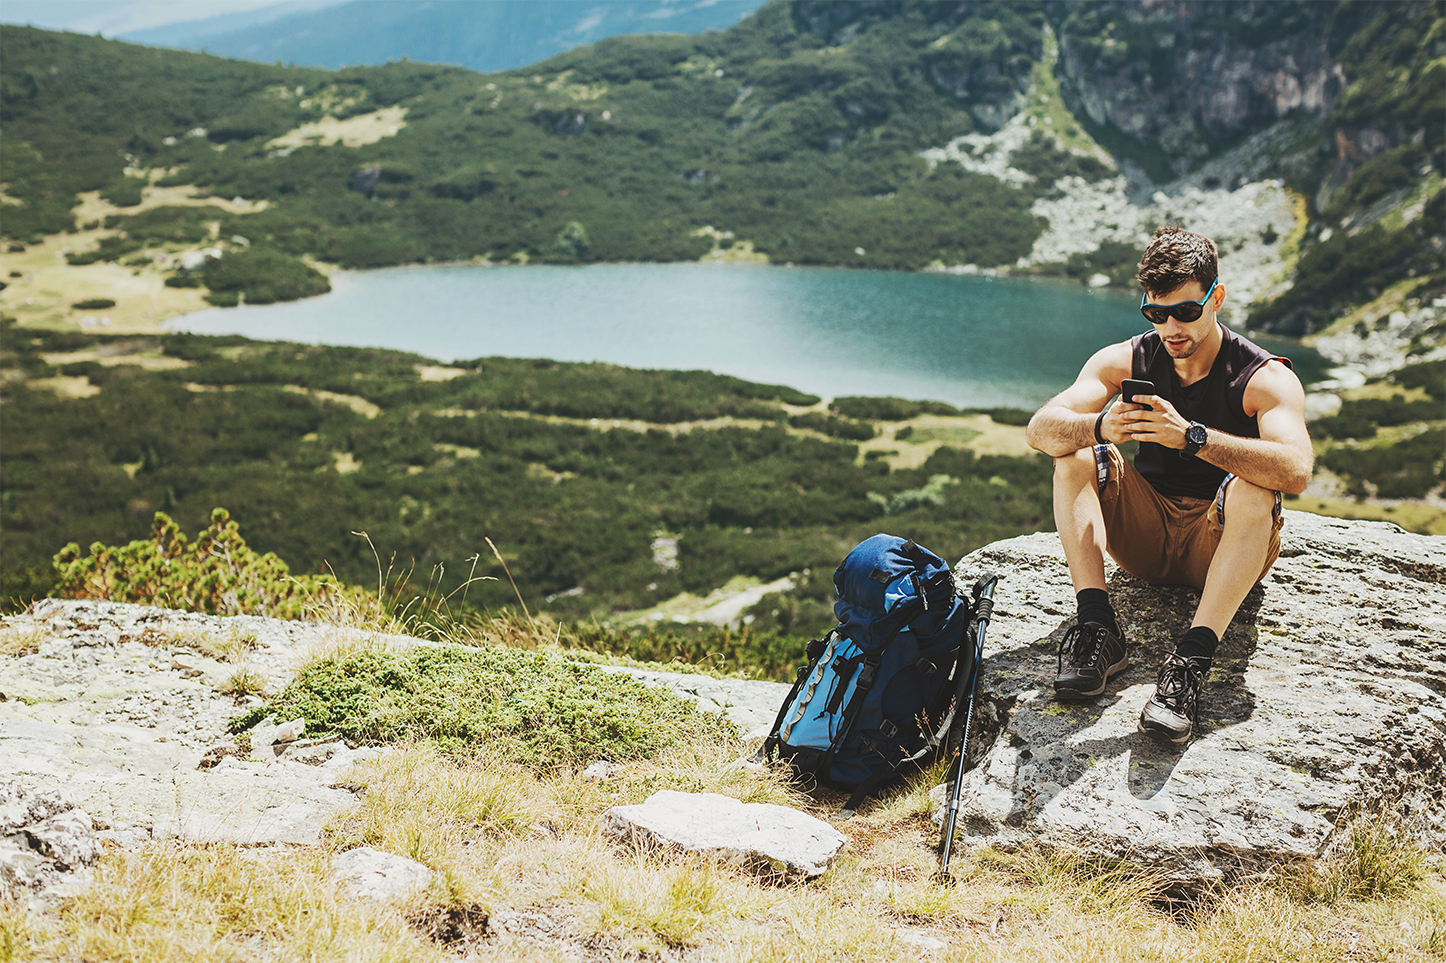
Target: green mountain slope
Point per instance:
(797, 131)
(763, 130)
(796, 136)
(579, 473)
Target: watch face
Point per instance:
(1195, 435)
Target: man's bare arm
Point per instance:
(1066, 423)
(1280, 459)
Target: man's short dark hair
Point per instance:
(1175, 257)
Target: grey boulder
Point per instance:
(382, 876)
(1326, 696)
(763, 836)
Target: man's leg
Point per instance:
(1094, 646)
(1080, 520)
(1238, 563)
(1239, 559)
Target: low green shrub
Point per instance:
(82, 369)
(1042, 157)
(1361, 418)
(217, 573)
(263, 275)
(1347, 424)
(1018, 417)
(93, 304)
(1350, 269)
(109, 249)
(1407, 469)
(536, 709)
(126, 192)
(931, 494)
(1428, 375)
(888, 408)
(1377, 177)
(834, 427)
(1117, 260)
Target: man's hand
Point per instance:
(1164, 425)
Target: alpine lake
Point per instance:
(969, 340)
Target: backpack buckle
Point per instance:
(866, 675)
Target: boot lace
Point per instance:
(1178, 688)
(1081, 645)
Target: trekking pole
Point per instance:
(984, 608)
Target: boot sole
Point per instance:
(1162, 735)
(1079, 695)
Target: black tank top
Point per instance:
(1216, 401)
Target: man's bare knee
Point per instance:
(1076, 465)
(1248, 504)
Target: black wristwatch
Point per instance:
(1195, 438)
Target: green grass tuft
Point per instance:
(535, 709)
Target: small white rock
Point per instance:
(378, 875)
(921, 941)
(600, 771)
(782, 839)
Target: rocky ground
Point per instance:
(1250, 218)
(113, 730)
(1328, 696)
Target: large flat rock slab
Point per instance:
(763, 836)
(1328, 692)
(119, 705)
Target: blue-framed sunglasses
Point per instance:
(1182, 311)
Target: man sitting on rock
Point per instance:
(1221, 435)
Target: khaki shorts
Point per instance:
(1165, 539)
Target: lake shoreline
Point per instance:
(971, 340)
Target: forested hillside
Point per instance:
(607, 489)
(967, 135)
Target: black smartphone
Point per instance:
(1131, 387)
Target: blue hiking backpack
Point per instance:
(874, 696)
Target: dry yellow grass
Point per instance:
(527, 849)
(47, 286)
(19, 640)
(355, 131)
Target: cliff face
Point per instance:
(1185, 77)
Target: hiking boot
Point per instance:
(1173, 711)
(1094, 652)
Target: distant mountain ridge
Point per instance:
(485, 35)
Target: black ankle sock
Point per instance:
(1094, 606)
(1198, 643)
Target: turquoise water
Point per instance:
(968, 340)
